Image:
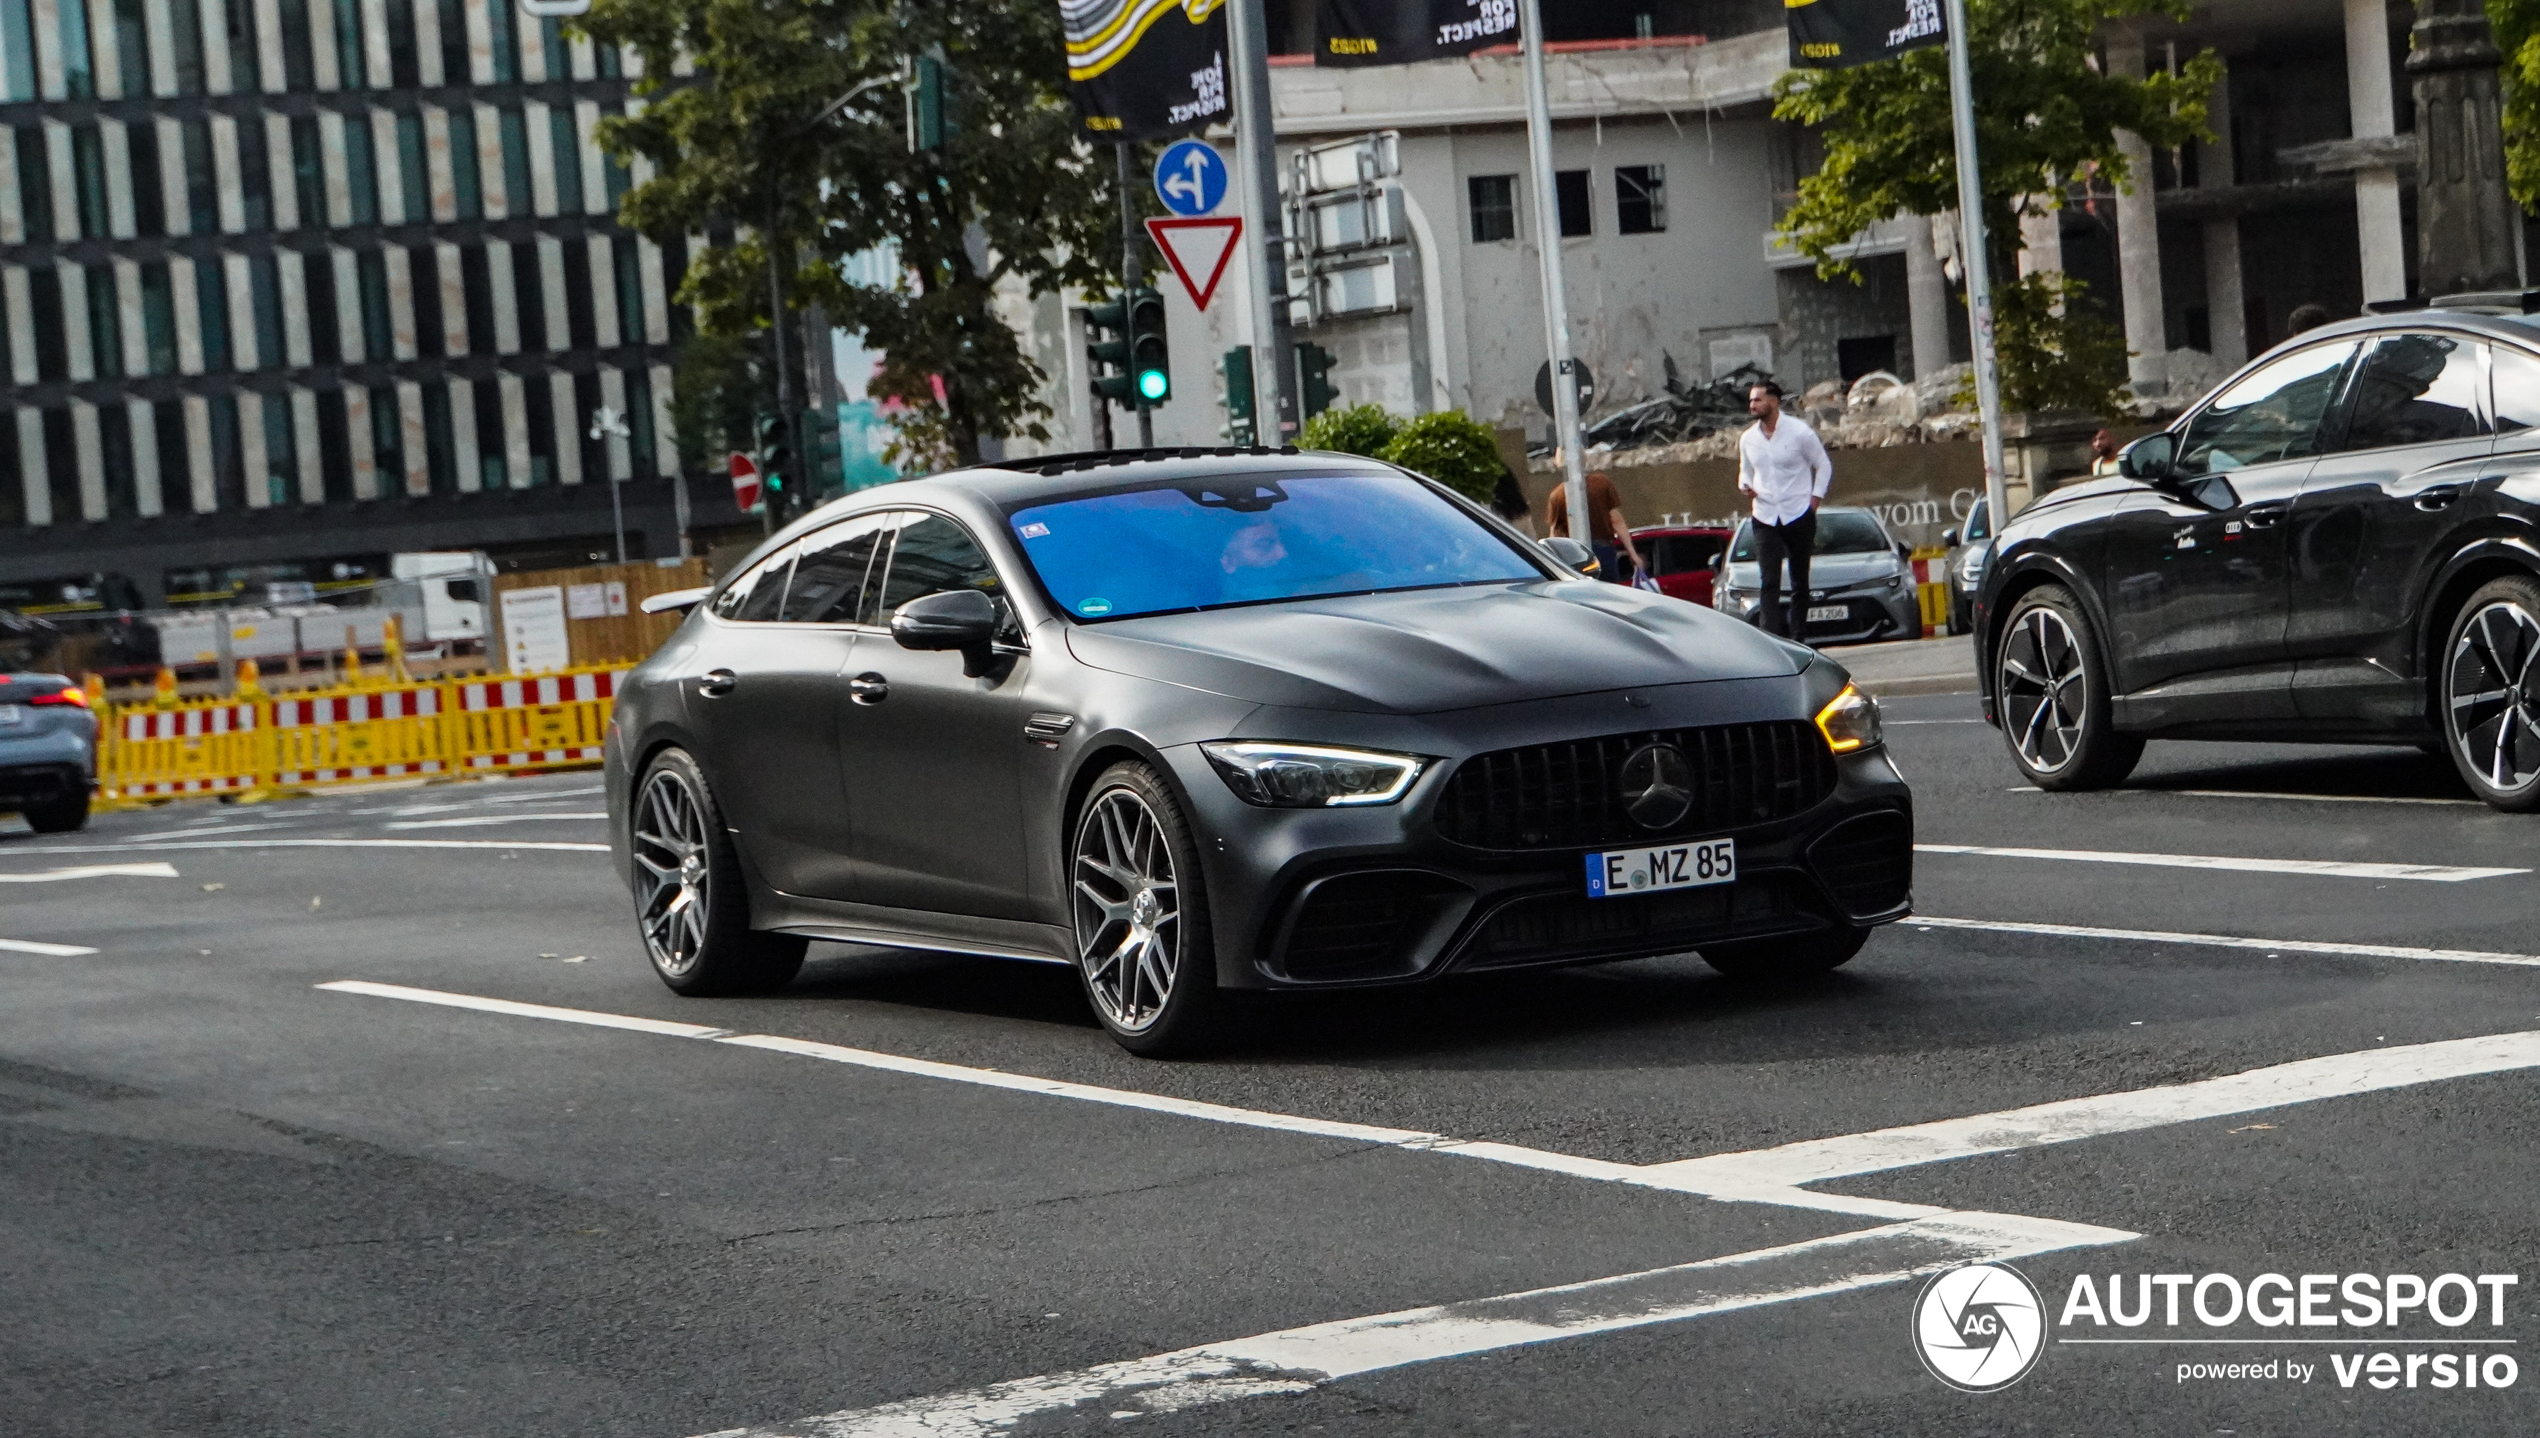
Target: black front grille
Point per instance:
(1561, 796)
(1867, 863)
(1362, 925)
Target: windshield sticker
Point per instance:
(1033, 530)
(1093, 606)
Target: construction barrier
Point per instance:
(1931, 590)
(386, 729)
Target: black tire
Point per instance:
(1129, 836)
(2050, 687)
(2487, 690)
(61, 816)
(691, 906)
(1792, 957)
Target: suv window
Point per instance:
(834, 575)
(760, 593)
(2417, 389)
(933, 555)
(2271, 415)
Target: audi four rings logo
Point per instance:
(1657, 785)
(1980, 1327)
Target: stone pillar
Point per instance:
(2226, 302)
(2466, 219)
(2042, 236)
(2139, 241)
(1926, 297)
(2377, 229)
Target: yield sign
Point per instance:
(744, 483)
(1197, 250)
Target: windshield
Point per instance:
(1839, 531)
(1204, 544)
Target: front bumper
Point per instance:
(1326, 898)
(1869, 615)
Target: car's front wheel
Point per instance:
(58, 816)
(1141, 912)
(690, 905)
(1796, 956)
(2491, 693)
(2050, 687)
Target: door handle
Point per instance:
(717, 683)
(868, 689)
(2264, 516)
(2439, 496)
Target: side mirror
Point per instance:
(2152, 458)
(962, 619)
(1949, 539)
(1570, 554)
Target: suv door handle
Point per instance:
(2439, 496)
(717, 683)
(2264, 516)
(868, 689)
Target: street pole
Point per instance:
(1274, 379)
(771, 499)
(1962, 118)
(1556, 304)
(1132, 273)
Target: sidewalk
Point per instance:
(1910, 666)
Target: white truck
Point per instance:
(455, 587)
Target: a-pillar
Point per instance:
(2139, 240)
(2226, 301)
(1926, 295)
(2377, 229)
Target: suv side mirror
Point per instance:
(962, 619)
(1949, 539)
(2153, 458)
(1570, 554)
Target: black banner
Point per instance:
(1147, 69)
(1839, 34)
(1398, 32)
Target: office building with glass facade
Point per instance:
(291, 285)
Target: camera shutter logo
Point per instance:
(1980, 1327)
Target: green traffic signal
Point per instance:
(1150, 358)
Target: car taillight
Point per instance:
(72, 695)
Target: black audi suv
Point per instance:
(2338, 545)
(1212, 720)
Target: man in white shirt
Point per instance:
(1783, 466)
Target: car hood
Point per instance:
(1826, 571)
(1422, 651)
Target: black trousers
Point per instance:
(1775, 544)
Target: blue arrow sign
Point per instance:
(1190, 177)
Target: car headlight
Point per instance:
(1972, 571)
(1850, 721)
(1305, 776)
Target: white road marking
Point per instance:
(481, 819)
(1892, 723)
(2233, 941)
(2254, 794)
(503, 844)
(2331, 868)
(2302, 1081)
(1297, 1360)
(160, 870)
(202, 831)
(32, 946)
(590, 1017)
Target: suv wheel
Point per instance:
(2491, 693)
(58, 816)
(690, 905)
(2050, 686)
(1142, 937)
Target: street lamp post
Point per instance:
(606, 422)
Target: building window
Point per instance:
(167, 421)
(88, 171)
(61, 465)
(639, 420)
(440, 451)
(515, 132)
(360, 172)
(370, 271)
(308, 173)
(476, 287)
(615, 180)
(423, 266)
(335, 447)
(551, 46)
(202, 182)
(1494, 200)
(158, 317)
(492, 445)
(299, 65)
(105, 322)
(52, 344)
(595, 453)
(387, 440)
(239, 16)
(609, 68)
(326, 334)
(211, 313)
(1570, 191)
(132, 50)
(282, 452)
(185, 28)
(529, 298)
(1640, 199)
(78, 79)
(264, 295)
(630, 289)
(35, 184)
(229, 456)
(454, 67)
(506, 37)
(17, 76)
(114, 443)
(410, 171)
(568, 161)
(539, 400)
(149, 185)
(463, 178)
(580, 332)
(351, 68)
(403, 70)
(255, 176)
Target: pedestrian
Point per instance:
(1609, 534)
(1509, 501)
(2103, 454)
(1782, 466)
(2305, 317)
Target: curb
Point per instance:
(1917, 686)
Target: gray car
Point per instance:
(1860, 583)
(48, 751)
(1968, 549)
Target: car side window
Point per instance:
(758, 595)
(933, 555)
(2417, 389)
(2273, 414)
(2517, 383)
(832, 575)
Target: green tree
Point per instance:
(1360, 429)
(1452, 448)
(2517, 27)
(718, 387)
(2045, 115)
(748, 148)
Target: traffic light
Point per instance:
(930, 121)
(1315, 362)
(1107, 345)
(1150, 360)
(826, 460)
(775, 459)
(1240, 429)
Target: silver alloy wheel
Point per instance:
(2044, 692)
(1128, 909)
(2495, 716)
(671, 872)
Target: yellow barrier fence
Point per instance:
(354, 734)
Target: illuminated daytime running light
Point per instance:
(1301, 776)
(1850, 721)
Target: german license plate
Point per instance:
(11, 714)
(1826, 613)
(1669, 866)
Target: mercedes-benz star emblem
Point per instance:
(1657, 786)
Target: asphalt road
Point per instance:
(235, 1202)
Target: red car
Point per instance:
(1683, 557)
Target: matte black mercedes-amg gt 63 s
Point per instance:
(1212, 720)
(2337, 545)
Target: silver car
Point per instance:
(48, 751)
(1968, 549)
(1860, 582)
